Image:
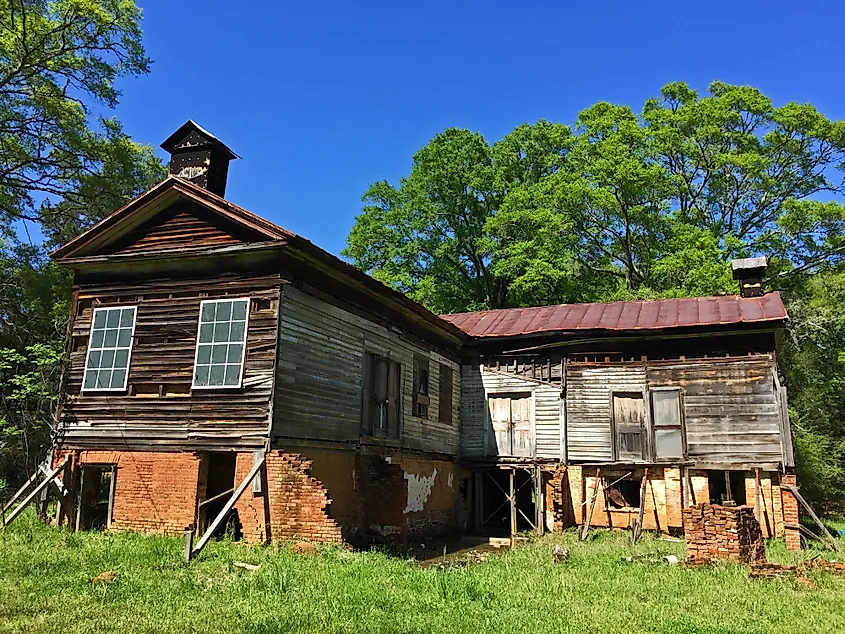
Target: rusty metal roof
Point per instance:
(636, 315)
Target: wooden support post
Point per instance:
(228, 507)
(757, 509)
(512, 497)
(111, 496)
(585, 527)
(189, 544)
(638, 527)
(729, 495)
(35, 493)
(478, 501)
(539, 502)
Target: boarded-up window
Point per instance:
(628, 425)
(445, 404)
(421, 396)
(109, 349)
(667, 421)
(382, 394)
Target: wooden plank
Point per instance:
(35, 493)
(590, 506)
(512, 501)
(794, 490)
(227, 507)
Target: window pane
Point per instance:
(121, 358)
(107, 360)
(204, 354)
(104, 379)
(118, 378)
(97, 338)
(127, 318)
(667, 407)
(224, 311)
(124, 337)
(201, 375)
(667, 443)
(215, 375)
(218, 354)
(233, 374)
(235, 353)
(113, 318)
(90, 379)
(99, 318)
(111, 338)
(221, 332)
(208, 312)
(239, 310)
(206, 333)
(94, 359)
(237, 333)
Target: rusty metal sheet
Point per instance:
(636, 315)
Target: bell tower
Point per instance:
(198, 156)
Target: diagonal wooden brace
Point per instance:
(51, 475)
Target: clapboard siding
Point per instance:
(588, 416)
(478, 385)
(731, 412)
(159, 406)
(319, 384)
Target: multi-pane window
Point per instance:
(109, 348)
(221, 343)
(667, 420)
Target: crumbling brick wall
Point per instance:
(723, 532)
(558, 500)
(383, 495)
(789, 504)
(297, 502)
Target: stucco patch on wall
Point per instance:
(419, 488)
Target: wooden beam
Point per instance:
(638, 529)
(227, 507)
(35, 493)
(794, 490)
(512, 499)
(585, 527)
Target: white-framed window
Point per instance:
(109, 349)
(221, 343)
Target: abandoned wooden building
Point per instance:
(220, 366)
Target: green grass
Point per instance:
(45, 573)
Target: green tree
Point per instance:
(61, 169)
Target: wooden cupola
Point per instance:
(198, 156)
(750, 273)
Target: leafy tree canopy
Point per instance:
(621, 204)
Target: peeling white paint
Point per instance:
(451, 480)
(419, 488)
(388, 459)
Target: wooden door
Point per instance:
(522, 441)
(510, 432)
(629, 425)
(499, 438)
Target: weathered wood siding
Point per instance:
(731, 411)
(480, 384)
(319, 384)
(159, 406)
(588, 406)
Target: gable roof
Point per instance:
(148, 204)
(654, 314)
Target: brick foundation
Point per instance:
(723, 532)
(789, 504)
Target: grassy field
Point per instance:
(45, 587)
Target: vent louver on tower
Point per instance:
(198, 156)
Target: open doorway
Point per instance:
(96, 497)
(495, 504)
(727, 487)
(219, 486)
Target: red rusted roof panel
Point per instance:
(638, 315)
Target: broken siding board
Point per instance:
(319, 385)
(162, 364)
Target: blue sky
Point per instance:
(320, 99)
